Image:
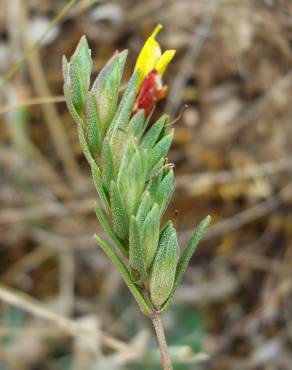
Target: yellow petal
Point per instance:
(156, 31)
(164, 60)
(149, 55)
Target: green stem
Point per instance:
(125, 274)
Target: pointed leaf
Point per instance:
(164, 267)
(159, 151)
(70, 105)
(131, 182)
(126, 157)
(106, 88)
(152, 135)
(119, 214)
(125, 274)
(186, 256)
(165, 191)
(107, 228)
(150, 235)
(80, 66)
(137, 124)
(138, 270)
(156, 177)
(96, 175)
(144, 207)
(118, 129)
(93, 125)
(125, 108)
(108, 171)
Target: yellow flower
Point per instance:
(150, 57)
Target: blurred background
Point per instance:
(62, 303)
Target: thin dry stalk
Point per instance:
(31, 102)
(13, 93)
(165, 358)
(71, 327)
(205, 180)
(66, 280)
(85, 206)
(47, 210)
(247, 216)
(16, 66)
(52, 119)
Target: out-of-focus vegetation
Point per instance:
(233, 160)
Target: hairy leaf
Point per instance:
(150, 235)
(119, 214)
(137, 124)
(93, 125)
(106, 88)
(144, 207)
(131, 182)
(80, 66)
(107, 228)
(159, 151)
(186, 256)
(108, 170)
(164, 267)
(152, 135)
(137, 264)
(165, 191)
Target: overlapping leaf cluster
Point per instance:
(131, 174)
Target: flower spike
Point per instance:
(127, 154)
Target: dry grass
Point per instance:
(232, 152)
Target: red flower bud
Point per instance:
(150, 92)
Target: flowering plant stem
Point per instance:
(165, 358)
(127, 154)
(154, 315)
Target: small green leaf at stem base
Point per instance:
(125, 274)
(164, 267)
(186, 256)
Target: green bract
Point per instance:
(127, 157)
(164, 266)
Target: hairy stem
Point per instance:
(165, 358)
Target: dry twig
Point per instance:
(15, 67)
(32, 101)
(71, 327)
(205, 180)
(52, 119)
(242, 218)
